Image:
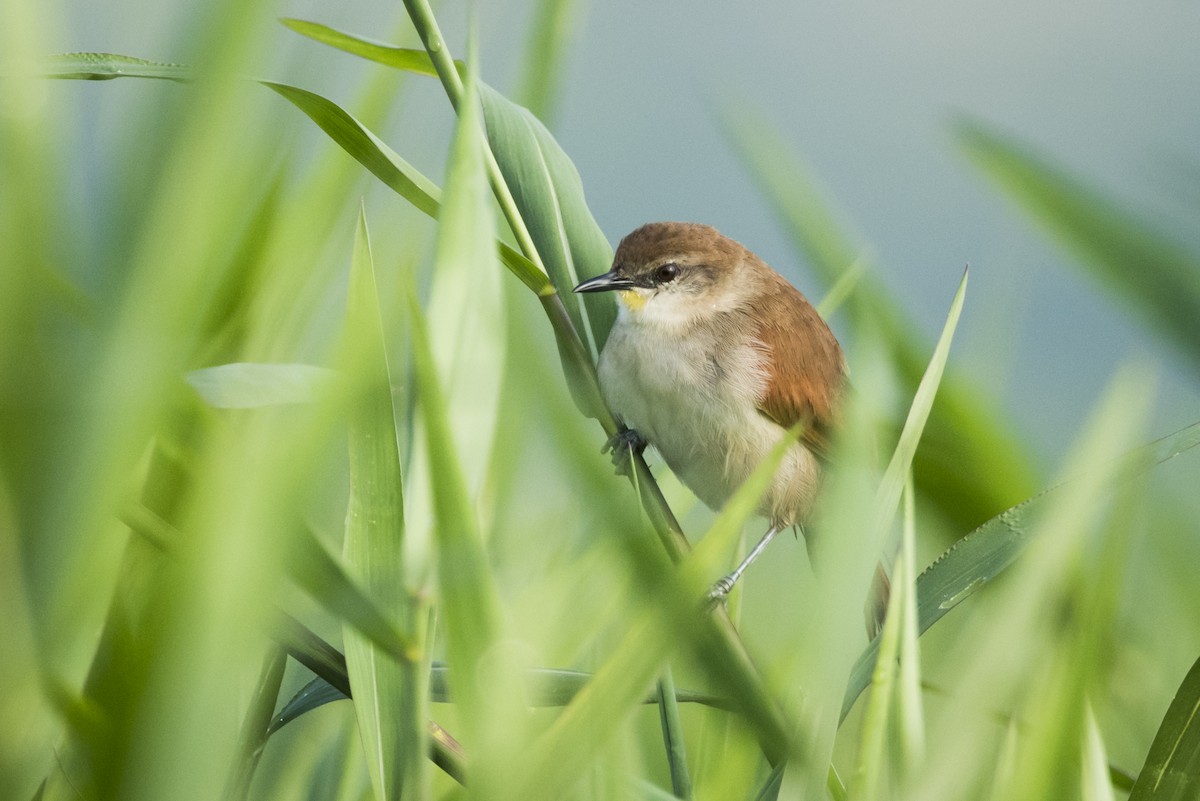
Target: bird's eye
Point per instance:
(667, 272)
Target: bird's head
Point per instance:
(673, 274)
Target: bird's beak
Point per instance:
(606, 283)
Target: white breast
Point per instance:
(695, 399)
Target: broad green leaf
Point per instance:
(465, 314)
(543, 180)
(244, 385)
(485, 682)
(982, 555)
(1172, 769)
(389, 694)
(1156, 276)
(549, 194)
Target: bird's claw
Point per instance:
(624, 444)
(720, 590)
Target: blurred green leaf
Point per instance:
(969, 465)
(1154, 275)
(245, 385)
(982, 555)
(466, 313)
(389, 694)
(256, 727)
(485, 682)
(106, 66)
(1172, 769)
(547, 687)
(543, 71)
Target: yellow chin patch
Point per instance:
(634, 301)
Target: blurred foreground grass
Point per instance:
(244, 445)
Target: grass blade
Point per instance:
(1172, 769)
(389, 694)
(485, 683)
(107, 66)
(401, 58)
(672, 732)
(979, 557)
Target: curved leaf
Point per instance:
(1172, 769)
(983, 554)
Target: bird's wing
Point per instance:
(809, 372)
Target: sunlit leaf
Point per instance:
(1172, 769)
(389, 694)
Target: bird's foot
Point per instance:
(624, 444)
(720, 590)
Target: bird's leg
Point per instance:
(624, 444)
(723, 586)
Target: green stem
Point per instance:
(431, 36)
(672, 730)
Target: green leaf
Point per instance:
(365, 147)
(107, 66)
(398, 57)
(890, 489)
(982, 555)
(489, 693)
(1172, 769)
(1156, 276)
(389, 695)
(544, 182)
(466, 310)
(543, 70)
(549, 193)
(245, 385)
(313, 695)
(320, 575)
(408, 182)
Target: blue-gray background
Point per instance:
(865, 92)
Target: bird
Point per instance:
(713, 357)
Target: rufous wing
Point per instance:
(806, 369)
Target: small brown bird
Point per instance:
(712, 358)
